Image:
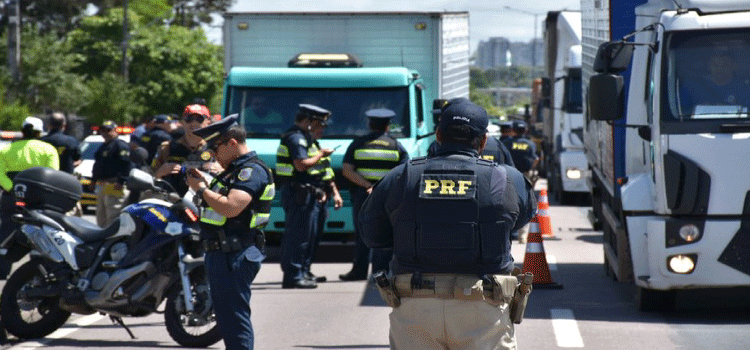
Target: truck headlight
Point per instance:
(682, 263)
(690, 232)
(573, 173)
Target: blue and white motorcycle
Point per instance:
(151, 253)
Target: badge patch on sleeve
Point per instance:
(205, 156)
(448, 186)
(244, 174)
(302, 142)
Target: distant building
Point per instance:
(492, 53)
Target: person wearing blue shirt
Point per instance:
(235, 208)
(67, 146)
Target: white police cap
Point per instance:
(314, 111)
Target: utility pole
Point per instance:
(125, 39)
(14, 40)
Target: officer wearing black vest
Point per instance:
(494, 150)
(304, 171)
(448, 219)
(235, 207)
(366, 161)
(522, 149)
(188, 151)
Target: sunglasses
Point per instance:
(218, 144)
(194, 117)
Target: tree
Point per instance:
(169, 66)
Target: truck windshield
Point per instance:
(268, 112)
(707, 77)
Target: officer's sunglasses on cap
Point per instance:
(194, 117)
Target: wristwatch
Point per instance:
(200, 191)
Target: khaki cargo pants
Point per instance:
(109, 203)
(436, 319)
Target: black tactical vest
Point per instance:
(187, 158)
(450, 222)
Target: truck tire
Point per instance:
(655, 300)
(29, 318)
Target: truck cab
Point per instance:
(267, 99)
(671, 191)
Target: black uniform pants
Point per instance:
(362, 254)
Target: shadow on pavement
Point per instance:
(363, 346)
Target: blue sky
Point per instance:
(487, 18)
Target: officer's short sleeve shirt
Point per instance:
(297, 144)
(349, 155)
(251, 178)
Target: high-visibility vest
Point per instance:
(285, 170)
(375, 158)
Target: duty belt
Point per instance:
(454, 286)
(231, 244)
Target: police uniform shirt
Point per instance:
(153, 139)
(523, 152)
(494, 150)
(23, 154)
(384, 140)
(388, 218)
(246, 175)
(112, 161)
(300, 145)
(67, 147)
(179, 153)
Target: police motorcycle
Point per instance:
(151, 253)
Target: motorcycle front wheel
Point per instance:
(197, 329)
(27, 317)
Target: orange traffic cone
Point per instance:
(535, 261)
(542, 215)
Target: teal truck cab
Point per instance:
(347, 63)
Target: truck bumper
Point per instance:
(573, 171)
(719, 253)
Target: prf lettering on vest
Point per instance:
(520, 146)
(447, 186)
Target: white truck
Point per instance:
(668, 137)
(562, 120)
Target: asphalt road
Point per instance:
(590, 312)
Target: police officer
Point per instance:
(111, 168)
(449, 219)
(236, 206)
(18, 156)
(158, 132)
(304, 171)
(189, 151)
(366, 161)
(67, 146)
(506, 131)
(522, 149)
(494, 150)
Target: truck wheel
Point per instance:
(655, 300)
(27, 317)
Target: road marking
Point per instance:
(552, 262)
(566, 328)
(70, 327)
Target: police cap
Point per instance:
(108, 125)
(380, 114)
(464, 113)
(212, 132)
(314, 112)
(161, 118)
(519, 125)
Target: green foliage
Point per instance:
(514, 76)
(484, 100)
(113, 99)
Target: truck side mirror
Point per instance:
(605, 97)
(613, 57)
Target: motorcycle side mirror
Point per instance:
(140, 180)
